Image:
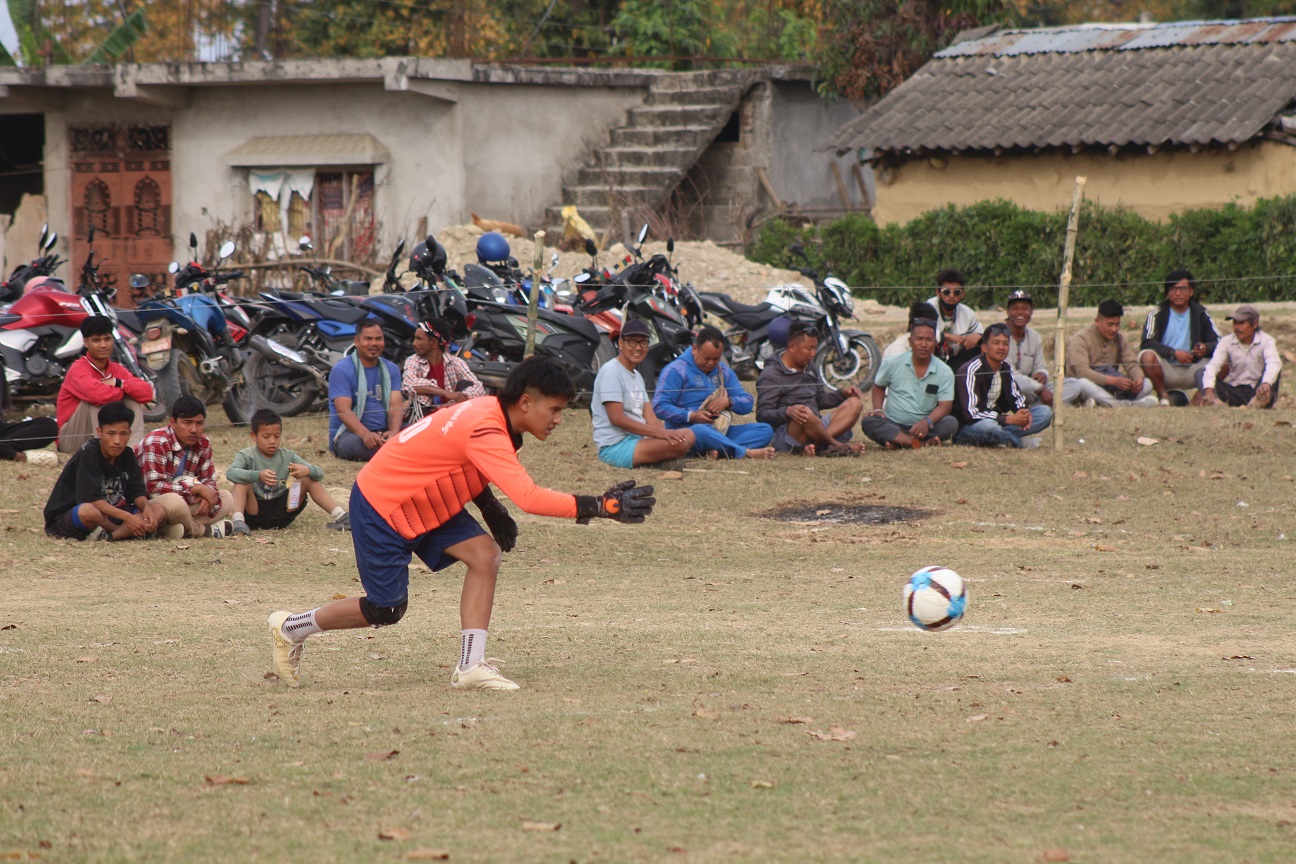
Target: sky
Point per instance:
(8, 36)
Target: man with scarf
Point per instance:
(434, 378)
(364, 396)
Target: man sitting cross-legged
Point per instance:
(697, 388)
(990, 407)
(180, 473)
(918, 391)
(790, 394)
(1245, 368)
(101, 490)
(94, 380)
(263, 476)
(1178, 339)
(626, 431)
(365, 407)
(1102, 366)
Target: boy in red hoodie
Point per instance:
(93, 381)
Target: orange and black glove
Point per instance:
(624, 502)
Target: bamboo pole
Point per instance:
(1064, 298)
(534, 297)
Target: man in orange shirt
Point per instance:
(410, 498)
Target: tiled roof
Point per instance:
(1194, 83)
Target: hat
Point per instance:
(635, 327)
(1245, 313)
(1021, 295)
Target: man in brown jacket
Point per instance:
(1102, 366)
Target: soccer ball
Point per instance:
(935, 599)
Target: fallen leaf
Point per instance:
(382, 756)
(84, 772)
(1102, 548)
(182, 546)
(976, 718)
(958, 464)
(427, 855)
(9, 627)
(1240, 657)
(528, 825)
(89, 658)
(1202, 610)
(1079, 475)
(103, 699)
(270, 676)
(671, 475)
(339, 596)
(1054, 855)
(822, 512)
(762, 784)
(1062, 679)
(222, 780)
(706, 714)
(797, 719)
(393, 834)
(834, 733)
(1092, 520)
(1146, 442)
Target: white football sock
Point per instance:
(298, 627)
(337, 513)
(472, 648)
(238, 517)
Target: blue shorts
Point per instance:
(620, 454)
(383, 555)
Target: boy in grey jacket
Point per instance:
(264, 476)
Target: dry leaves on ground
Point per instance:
(427, 855)
(529, 825)
(222, 780)
(382, 756)
(393, 834)
(834, 733)
(797, 719)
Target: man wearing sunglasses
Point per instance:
(958, 338)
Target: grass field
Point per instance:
(1121, 690)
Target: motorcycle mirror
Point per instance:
(643, 233)
(670, 244)
(193, 240)
(304, 243)
(40, 243)
(400, 250)
(227, 249)
(50, 241)
(591, 248)
(173, 268)
(430, 241)
(139, 280)
(90, 238)
(553, 262)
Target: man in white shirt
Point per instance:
(1251, 358)
(626, 431)
(958, 337)
(1026, 351)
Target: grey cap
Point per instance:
(1245, 313)
(635, 327)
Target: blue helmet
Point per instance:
(492, 246)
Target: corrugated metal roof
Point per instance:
(1125, 37)
(290, 151)
(1221, 82)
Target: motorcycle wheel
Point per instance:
(603, 353)
(177, 378)
(285, 391)
(857, 367)
(240, 399)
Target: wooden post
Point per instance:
(1064, 297)
(841, 184)
(534, 297)
(863, 187)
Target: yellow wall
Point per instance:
(1154, 185)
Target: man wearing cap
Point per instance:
(1178, 339)
(1026, 351)
(1252, 363)
(626, 431)
(958, 335)
(1102, 366)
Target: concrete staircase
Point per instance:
(652, 152)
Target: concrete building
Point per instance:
(1159, 117)
(359, 153)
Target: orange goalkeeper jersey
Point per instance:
(432, 469)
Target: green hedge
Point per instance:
(998, 244)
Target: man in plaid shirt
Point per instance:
(434, 377)
(180, 474)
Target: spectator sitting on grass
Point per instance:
(433, 378)
(1245, 369)
(1102, 367)
(626, 431)
(917, 389)
(365, 407)
(900, 344)
(790, 394)
(990, 407)
(94, 380)
(100, 493)
(697, 389)
(958, 331)
(180, 473)
(1178, 339)
(263, 476)
(1026, 350)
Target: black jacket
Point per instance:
(1201, 329)
(972, 390)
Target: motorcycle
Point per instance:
(757, 332)
(188, 341)
(40, 335)
(39, 273)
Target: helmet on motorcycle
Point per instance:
(492, 246)
(427, 263)
(450, 306)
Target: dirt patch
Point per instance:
(845, 514)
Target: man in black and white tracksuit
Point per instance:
(988, 403)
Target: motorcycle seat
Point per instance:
(341, 310)
(130, 320)
(744, 308)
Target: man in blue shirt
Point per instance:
(364, 397)
(1178, 340)
(918, 390)
(688, 383)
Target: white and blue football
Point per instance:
(935, 598)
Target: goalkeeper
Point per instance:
(410, 499)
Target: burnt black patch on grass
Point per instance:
(845, 514)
